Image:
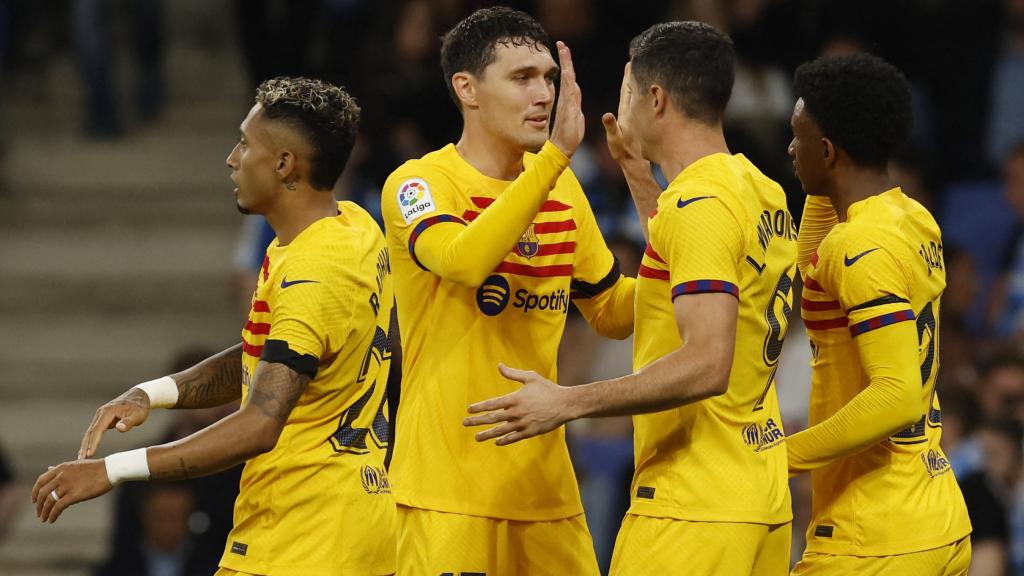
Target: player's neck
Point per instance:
(689, 143)
(289, 219)
(490, 156)
(857, 184)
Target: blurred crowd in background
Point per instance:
(965, 162)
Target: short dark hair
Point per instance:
(325, 114)
(861, 102)
(469, 46)
(694, 62)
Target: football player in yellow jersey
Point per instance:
(490, 243)
(710, 492)
(884, 498)
(311, 368)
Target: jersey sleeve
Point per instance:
(865, 272)
(599, 290)
(702, 242)
(416, 197)
(891, 401)
(311, 311)
(443, 243)
(595, 268)
(863, 269)
(819, 217)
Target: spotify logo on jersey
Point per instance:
(492, 296)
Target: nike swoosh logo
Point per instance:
(285, 283)
(683, 203)
(851, 261)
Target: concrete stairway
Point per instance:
(115, 256)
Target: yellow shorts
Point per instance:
(229, 572)
(438, 543)
(951, 560)
(665, 546)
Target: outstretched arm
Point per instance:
(697, 370)
(251, 431)
(214, 381)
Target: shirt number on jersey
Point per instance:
(776, 316)
(351, 436)
(927, 341)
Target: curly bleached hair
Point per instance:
(326, 115)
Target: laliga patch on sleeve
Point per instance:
(414, 199)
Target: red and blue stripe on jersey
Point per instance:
(510, 265)
(654, 266)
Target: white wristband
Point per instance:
(130, 465)
(162, 392)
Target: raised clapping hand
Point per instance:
(569, 127)
(622, 145)
(539, 406)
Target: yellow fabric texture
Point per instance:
(535, 246)
(319, 503)
(721, 226)
(950, 560)
(433, 543)
(647, 545)
(819, 217)
(871, 305)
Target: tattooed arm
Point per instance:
(214, 381)
(251, 431)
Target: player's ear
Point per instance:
(659, 99)
(464, 86)
(828, 151)
(286, 167)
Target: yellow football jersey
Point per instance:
(882, 266)
(454, 336)
(721, 226)
(320, 503)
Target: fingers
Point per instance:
(43, 499)
(565, 64)
(498, 415)
(624, 91)
(130, 418)
(611, 125)
(499, 403)
(58, 507)
(122, 416)
(43, 479)
(103, 420)
(569, 96)
(496, 432)
(513, 438)
(516, 374)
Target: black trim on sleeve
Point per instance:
(887, 299)
(581, 289)
(394, 386)
(277, 351)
